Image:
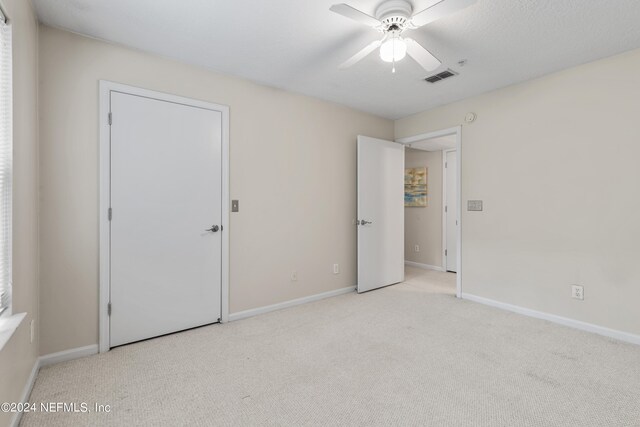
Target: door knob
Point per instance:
(365, 222)
(213, 229)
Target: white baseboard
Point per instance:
(63, 356)
(572, 323)
(50, 359)
(26, 393)
(76, 353)
(423, 266)
(261, 310)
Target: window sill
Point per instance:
(8, 325)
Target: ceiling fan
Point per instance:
(392, 18)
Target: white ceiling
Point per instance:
(297, 45)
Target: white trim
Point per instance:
(66, 355)
(105, 203)
(444, 205)
(444, 212)
(8, 325)
(423, 266)
(459, 216)
(457, 131)
(429, 135)
(279, 306)
(46, 360)
(226, 208)
(572, 323)
(105, 158)
(26, 393)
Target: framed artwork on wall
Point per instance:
(415, 187)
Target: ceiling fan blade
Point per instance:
(421, 55)
(439, 10)
(355, 14)
(361, 55)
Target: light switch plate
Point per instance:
(235, 206)
(474, 205)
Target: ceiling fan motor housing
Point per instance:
(394, 14)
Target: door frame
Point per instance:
(444, 205)
(457, 131)
(105, 89)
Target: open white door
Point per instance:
(380, 213)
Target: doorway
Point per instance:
(164, 214)
(382, 199)
(432, 222)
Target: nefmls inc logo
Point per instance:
(80, 407)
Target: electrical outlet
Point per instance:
(417, 248)
(336, 269)
(577, 292)
(33, 330)
(294, 276)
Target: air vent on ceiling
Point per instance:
(441, 76)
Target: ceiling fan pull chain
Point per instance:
(393, 67)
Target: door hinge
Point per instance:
(110, 119)
(109, 309)
(445, 252)
(446, 164)
(110, 213)
(446, 208)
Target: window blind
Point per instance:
(6, 165)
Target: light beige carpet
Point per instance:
(409, 354)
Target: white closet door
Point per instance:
(166, 242)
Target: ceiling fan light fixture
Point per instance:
(393, 49)
(392, 18)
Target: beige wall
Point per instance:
(19, 355)
(293, 168)
(556, 162)
(423, 226)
